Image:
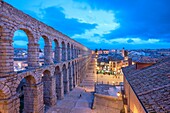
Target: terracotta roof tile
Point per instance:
(152, 85)
(145, 59)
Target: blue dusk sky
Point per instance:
(110, 24)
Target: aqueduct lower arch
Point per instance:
(40, 85)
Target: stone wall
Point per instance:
(40, 85)
(133, 104)
(12, 20)
(107, 104)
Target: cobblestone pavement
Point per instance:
(73, 103)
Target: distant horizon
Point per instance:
(131, 49)
(106, 49)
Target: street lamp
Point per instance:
(118, 94)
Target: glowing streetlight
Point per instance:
(118, 94)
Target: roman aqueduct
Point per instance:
(40, 85)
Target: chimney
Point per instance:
(129, 61)
(144, 62)
(140, 65)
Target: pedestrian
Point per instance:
(80, 96)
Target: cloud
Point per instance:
(20, 35)
(102, 21)
(121, 42)
(105, 20)
(133, 41)
(20, 39)
(20, 44)
(130, 41)
(111, 23)
(54, 16)
(137, 18)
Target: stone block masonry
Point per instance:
(40, 86)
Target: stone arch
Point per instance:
(56, 51)
(76, 71)
(57, 70)
(28, 56)
(28, 32)
(46, 40)
(76, 52)
(34, 30)
(49, 91)
(63, 47)
(70, 76)
(79, 52)
(46, 79)
(72, 51)
(73, 74)
(24, 75)
(68, 51)
(65, 79)
(30, 80)
(72, 62)
(59, 83)
(25, 90)
(46, 54)
(32, 46)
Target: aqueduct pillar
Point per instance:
(6, 53)
(48, 55)
(33, 96)
(33, 55)
(59, 85)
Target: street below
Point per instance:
(80, 99)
